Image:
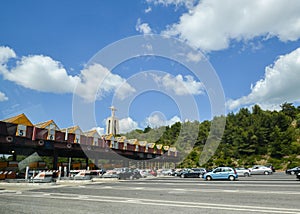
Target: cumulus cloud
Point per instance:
(180, 85)
(211, 25)
(97, 81)
(6, 53)
(3, 97)
(194, 57)
(127, 125)
(42, 73)
(142, 27)
(99, 130)
(148, 10)
(187, 3)
(157, 120)
(280, 84)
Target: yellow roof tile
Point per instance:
(19, 119)
(91, 133)
(72, 129)
(151, 145)
(46, 123)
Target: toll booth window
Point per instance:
(77, 138)
(95, 141)
(116, 145)
(51, 134)
(21, 131)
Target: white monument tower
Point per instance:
(112, 123)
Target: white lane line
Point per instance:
(151, 202)
(138, 188)
(235, 184)
(174, 190)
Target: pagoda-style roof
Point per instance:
(143, 143)
(110, 137)
(92, 133)
(166, 148)
(20, 119)
(150, 145)
(133, 141)
(121, 139)
(72, 129)
(159, 146)
(45, 124)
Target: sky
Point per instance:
(55, 59)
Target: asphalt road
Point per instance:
(278, 193)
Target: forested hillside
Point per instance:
(250, 137)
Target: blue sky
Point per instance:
(46, 47)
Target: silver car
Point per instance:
(243, 172)
(260, 170)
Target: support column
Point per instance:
(69, 166)
(87, 163)
(96, 163)
(126, 163)
(14, 156)
(55, 158)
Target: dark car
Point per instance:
(193, 173)
(292, 171)
(271, 167)
(129, 174)
(298, 174)
(179, 173)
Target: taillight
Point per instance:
(234, 171)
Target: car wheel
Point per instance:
(266, 173)
(231, 178)
(182, 176)
(246, 174)
(200, 176)
(208, 178)
(292, 173)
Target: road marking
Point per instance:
(150, 202)
(176, 190)
(139, 188)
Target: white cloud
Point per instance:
(97, 81)
(3, 97)
(5, 54)
(42, 73)
(213, 24)
(194, 57)
(280, 84)
(99, 130)
(180, 85)
(148, 10)
(157, 120)
(142, 27)
(187, 3)
(127, 125)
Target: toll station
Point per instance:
(18, 136)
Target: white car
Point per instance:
(243, 172)
(261, 170)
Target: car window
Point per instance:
(217, 170)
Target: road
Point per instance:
(278, 193)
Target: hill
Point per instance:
(250, 137)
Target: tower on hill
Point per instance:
(112, 123)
